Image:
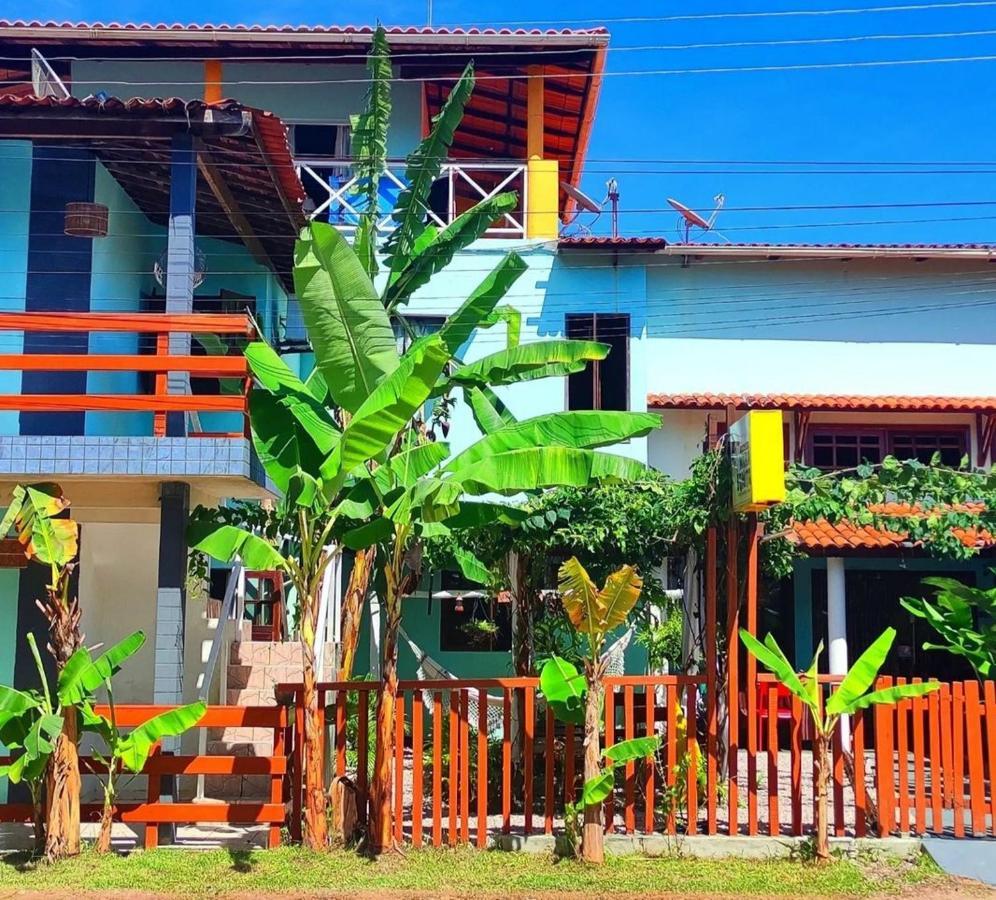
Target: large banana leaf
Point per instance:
(596, 790)
(471, 567)
(78, 681)
(282, 444)
(347, 324)
(46, 539)
(861, 676)
(581, 430)
(477, 309)
(410, 465)
(297, 397)
(14, 703)
(770, 655)
(369, 132)
(581, 598)
(556, 357)
(434, 255)
(891, 695)
(618, 597)
(489, 412)
(564, 690)
(225, 543)
(373, 532)
(424, 166)
(135, 748)
(631, 750)
(534, 468)
(392, 404)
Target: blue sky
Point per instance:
(907, 113)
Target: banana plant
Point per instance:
(123, 752)
(854, 693)
(577, 698)
(48, 537)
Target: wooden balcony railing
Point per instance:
(160, 363)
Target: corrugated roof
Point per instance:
(826, 402)
(821, 536)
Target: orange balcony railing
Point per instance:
(160, 363)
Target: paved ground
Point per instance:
(965, 859)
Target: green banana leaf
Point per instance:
(770, 655)
(534, 468)
(556, 357)
(370, 533)
(347, 324)
(891, 695)
(437, 253)
(470, 566)
(631, 750)
(582, 430)
(596, 790)
(78, 681)
(14, 703)
(477, 309)
(283, 445)
(369, 128)
(489, 412)
(564, 689)
(135, 748)
(861, 676)
(424, 165)
(226, 542)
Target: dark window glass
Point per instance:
(922, 445)
(603, 384)
(844, 449)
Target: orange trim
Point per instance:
(219, 323)
(823, 402)
(212, 81)
(221, 366)
(587, 123)
(120, 403)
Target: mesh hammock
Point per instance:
(427, 669)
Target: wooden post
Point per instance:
(753, 538)
(212, 81)
(710, 663)
(732, 669)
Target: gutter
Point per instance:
(771, 251)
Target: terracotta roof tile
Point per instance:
(827, 402)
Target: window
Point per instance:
(472, 623)
(842, 447)
(414, 327)
(321, 141)
(313, 146)
(603, 384)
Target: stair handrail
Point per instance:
(227, 612)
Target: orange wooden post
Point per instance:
(649, 763)
(277, 780)
(465, 766)
(936, 772)
(753, 538)
(454, 798)
(773, 824)
(837, 747)
(418, 751)
(958, 755)
(298, 785)
(795, 756)
(548, 773)
(569, 775)
(161, 385)
(482, 769)
(629, 726)
(919, 704)
(860, 802)
(610, 739)
(399, 767)
(362, 751)
(884, 763)
(990, 695)
(902, 761)
(527, 745)
(947, 762)
(506, 762)
(732, 672)
(437, 769)
(152, 795)
(973, 741)
(340, 733)
(672, 699)
(711, 696)
(691, 721)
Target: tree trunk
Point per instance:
(381, 807)
(38, 812)
(62, 831)
(592, 833)
(315, 832)
(820, 747)
(106, 822)
(352, 610)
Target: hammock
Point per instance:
(427, 669)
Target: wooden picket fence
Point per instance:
(153, 811)
(926, 765)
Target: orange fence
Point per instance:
(470, 768)
(160, 325)
(153, 811)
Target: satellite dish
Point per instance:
(44, 81)
(692, 219)
(583, 201)
(586, 205)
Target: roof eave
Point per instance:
(803, 252)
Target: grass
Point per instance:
(292, 871)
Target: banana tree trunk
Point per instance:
(381, 807)
(592, 833)
(821, 749)
(315, 832)
(38, 812)
(106, 823)
(352, 610)
(62, 831)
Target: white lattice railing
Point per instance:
(339, 199)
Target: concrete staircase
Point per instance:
(254, 669)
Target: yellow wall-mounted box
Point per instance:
(757, 458)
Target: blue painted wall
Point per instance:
(15, 216)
